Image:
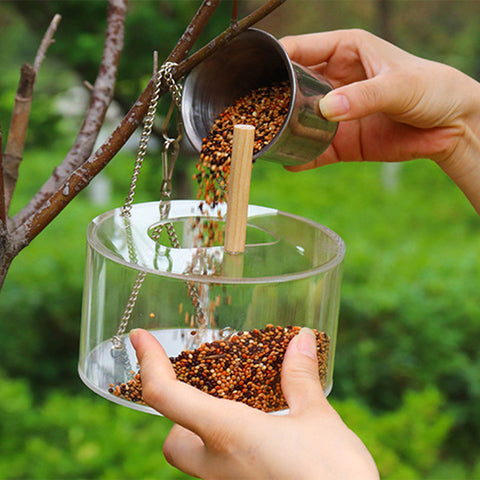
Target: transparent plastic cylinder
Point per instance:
(192, 293)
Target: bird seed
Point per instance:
(244, 367)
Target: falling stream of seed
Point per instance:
(265, 108)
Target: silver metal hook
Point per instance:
(170, 151)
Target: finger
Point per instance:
(342, 56)
(389, 93)
(300, 381)
(193, 409)
(186, 451)
(363, 68)
(314, 48)
(176, 400)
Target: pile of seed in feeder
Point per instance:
(265, 108)
(245, 367)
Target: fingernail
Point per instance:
(307, 343)
(333, 106)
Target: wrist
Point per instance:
(461, 161)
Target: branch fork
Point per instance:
(80, 166)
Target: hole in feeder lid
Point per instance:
(194, 232)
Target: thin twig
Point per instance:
(82, 176)
(13, 154)
(88, 85)
(100, 99)
(225, 37)
(46, 42)
(193, 31)
(21, 114)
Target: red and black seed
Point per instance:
(266, 108)
(245, 367)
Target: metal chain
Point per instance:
(191, 287)
(171, 148)
(117, 341)
(169, 155)
(173, 86)
(165, 73)
(132, 254)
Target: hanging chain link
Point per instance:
(170, 150)
(117, 338)
(164, 74)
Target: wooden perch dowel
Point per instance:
(239, 188)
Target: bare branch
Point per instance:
(88, 86)
(18, 130)
(225, 37)
(5, 262)
(21, 114)
(82, 176)
(46, 42)
(5, 253)
(193, 31)
(75, 158)
(100, 100)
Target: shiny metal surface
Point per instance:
(254, 59)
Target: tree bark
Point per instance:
(13, 154)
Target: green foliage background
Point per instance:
(407, 363)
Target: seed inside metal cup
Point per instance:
(256, 59)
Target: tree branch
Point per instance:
(46, 42)
(225, 37)
(21, 114)
(234, 12)
(82, 176)
(18, 130)
(193, 31)
(87, 136)
(100, 99)
(5, 254)
(83, 145)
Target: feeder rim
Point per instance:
(97, 245)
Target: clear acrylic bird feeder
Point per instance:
(222, 319)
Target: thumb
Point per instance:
(300, 381)
(366, 97)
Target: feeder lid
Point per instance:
(279, 246)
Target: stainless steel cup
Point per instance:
(255, 59)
